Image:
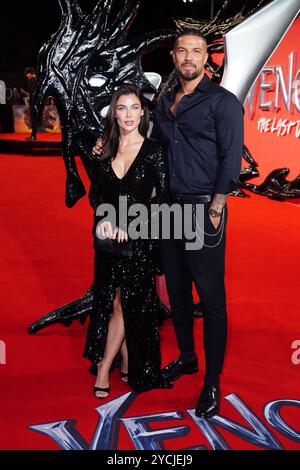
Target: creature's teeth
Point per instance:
(97, 80)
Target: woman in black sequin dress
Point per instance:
(125, 301)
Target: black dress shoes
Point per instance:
(209, 402)
(179, 367)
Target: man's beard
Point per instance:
(188, 77)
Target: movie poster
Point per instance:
(50, 119)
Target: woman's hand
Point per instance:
(105, 230)
(98, 147)
(121, 235)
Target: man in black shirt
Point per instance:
(202, 124)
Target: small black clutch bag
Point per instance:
(114, 247)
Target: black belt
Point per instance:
(191, 198)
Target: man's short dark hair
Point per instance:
(190, 32)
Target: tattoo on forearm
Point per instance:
(218, 202)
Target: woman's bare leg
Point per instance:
(124, 361)
(115, 338)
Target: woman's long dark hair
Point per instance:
(111, 131)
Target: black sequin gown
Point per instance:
(135, 275)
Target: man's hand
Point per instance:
(217, 206)
(98, 147)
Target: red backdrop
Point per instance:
(268, 148)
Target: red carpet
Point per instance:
(44, 137)
(46, 261)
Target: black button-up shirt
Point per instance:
(205, 139)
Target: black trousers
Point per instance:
(205, 267)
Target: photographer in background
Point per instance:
(27, 90)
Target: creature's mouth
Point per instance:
(99, 81)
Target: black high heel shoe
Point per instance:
(100, 389)
(124, 376)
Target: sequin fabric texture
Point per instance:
(135, 275)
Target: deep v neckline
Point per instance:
(131, 165)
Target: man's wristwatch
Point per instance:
(215, 213)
